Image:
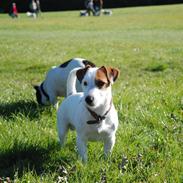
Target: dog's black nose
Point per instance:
(89, 99)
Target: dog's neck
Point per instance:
(99, 117)
(43, 91)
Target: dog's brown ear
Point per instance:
(111, 73)
(81, 73)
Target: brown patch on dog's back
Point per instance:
(65, 64)
(87, 62)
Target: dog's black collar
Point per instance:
(97, 117)
(43, 91)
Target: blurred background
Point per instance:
(58, 5)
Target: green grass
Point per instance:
(146, 44)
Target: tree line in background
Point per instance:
(57, 5)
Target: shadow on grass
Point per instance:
(29, 109)
(157, 67)
(22, 158)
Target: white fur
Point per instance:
(55, 82)
(73, 113)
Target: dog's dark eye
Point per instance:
(85, 83)
(100, 83)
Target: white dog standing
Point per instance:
(55, 82)
(91, 112)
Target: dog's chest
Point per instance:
(98, 132)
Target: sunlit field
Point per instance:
(146, 44)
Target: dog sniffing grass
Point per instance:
(148, 144)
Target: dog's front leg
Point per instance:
(82, 149)
(109, 144)
(62, 129)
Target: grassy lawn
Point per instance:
(146, 44)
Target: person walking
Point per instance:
(14, 13)
(98, 5)
(33, 7)
(90, 7)
(38, 7)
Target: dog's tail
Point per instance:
(71, 82)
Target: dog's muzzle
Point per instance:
(89, 100)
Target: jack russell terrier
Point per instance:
(54, 84)
(91, 112)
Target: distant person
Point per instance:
(38, 7)
(90, 7)
(14, 12)
(98, 5)
(94, 6)
(33, 8)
